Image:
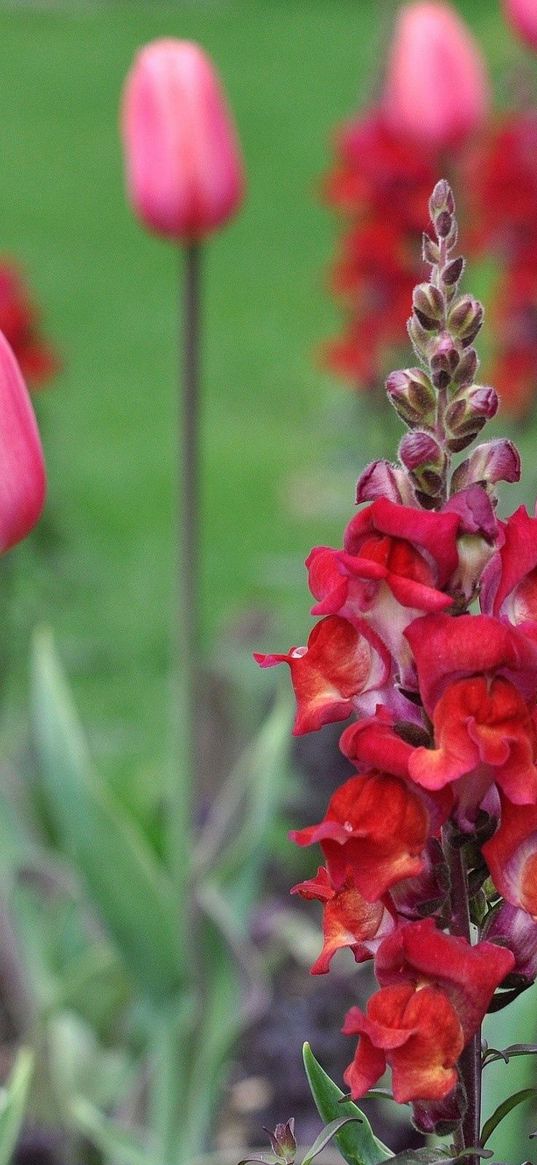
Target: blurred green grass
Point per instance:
(292, 70)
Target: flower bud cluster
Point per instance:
(439, 822)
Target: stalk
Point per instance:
(469, 1064)
(188, 639)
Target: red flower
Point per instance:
(348, 919)
(395, 560)
(435, 990)
(468, 975)
(470, 673)
(376, 827)
(336, 673)
(416, 1033)
(19, 321)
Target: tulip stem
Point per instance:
(468, 1133)
(187, 777)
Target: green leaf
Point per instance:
(125, 882)
(436, 1155)
(13, 1103)
(121, 1145)
(326, 1135)
(504, 1109)
(357, 1142)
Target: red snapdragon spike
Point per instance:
(419, 953)
(184, 168)
(436, 89)
(511, 855)
(375, 826)
(338, 672)
(509, 583)
(19, 321)
(516, 929)
(522, 15)
(348, 919)
(22, 482)
(416, 1032)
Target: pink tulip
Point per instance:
(522, 14)
(436, 88)
(183, 161)
(22, 468)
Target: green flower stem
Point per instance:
(470, 1060)
(186, 714)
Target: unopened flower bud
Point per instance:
(425, 460)
(453, 271)
(444, 359)
(183, 162)
(467, 367)
(22, 481)
(467, 414)
(522, 14)
(419, 337)
(430, 251)
(441, 1117)
(412, 396)
(381, 479)
(465, 318)
(489, 463)
(283, 1141)
(436, 87)
(441, 199)
(429, 305)
(515, 928)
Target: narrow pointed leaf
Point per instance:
(13, 1104)
(118, 1144)
(127, 886)
(507, 1054)
(504, 1109)
(326, 1135)
(356, 1142)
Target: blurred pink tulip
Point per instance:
(22, 476)
(436, 88)
(183, 161)
(522, 14)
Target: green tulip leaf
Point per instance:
(127, 886)
(13, 1098)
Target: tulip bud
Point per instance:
(183, 165)
(522, 14)
(283, 1141)
(489, 463)
(22, 481)
(425, 460)
(467, 414)
(412, 396)
(436, 89)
